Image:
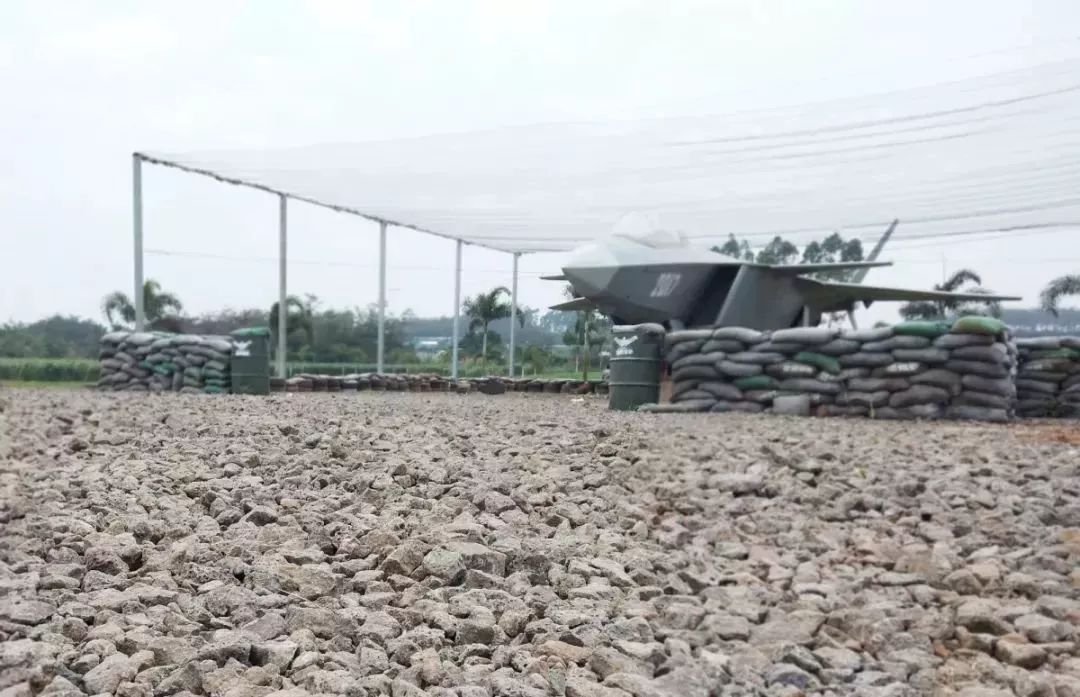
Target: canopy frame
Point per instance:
(282, 319)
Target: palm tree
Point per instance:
(298, 317)
(157, 307)
(589, 330)
(485, 308)
(1057, 289)
(930, 309)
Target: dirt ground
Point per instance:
(527, 545)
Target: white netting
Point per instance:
(997, 153)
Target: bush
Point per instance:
(49, 369)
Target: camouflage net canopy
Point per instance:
(945, 159)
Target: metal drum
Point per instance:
(635, 366)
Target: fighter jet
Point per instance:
(660, 278)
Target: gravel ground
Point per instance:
(526, 545)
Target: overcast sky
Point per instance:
(86, 84)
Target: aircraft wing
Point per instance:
(575, 305)
(830, 296)
(831, 266)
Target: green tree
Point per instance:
(964, 280)
(300, 330)
(833, 249)
(591, 329)
(777, 251)
(1056, 290)
(484, 308)
(739, 249)
(159, 307)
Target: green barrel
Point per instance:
(635, 366)
(250, 365)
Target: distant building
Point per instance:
(429, 346)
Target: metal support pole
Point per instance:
(513, 311)
(380, 350)
(283, 306)
(136, 190)
(457, 313)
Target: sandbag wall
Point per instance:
(910, 370)
(159, 362)
(429, 382)
(1048, 376)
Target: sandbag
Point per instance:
(924, 328)
(805, 335)
(1043, 377)
(990, 370)
(219, 345)
(756, 382)
(974, 398)
(876, 384)
(708, 359)
(844, 410)
(865, 399)
(686, 348)
(787, 349)
(863, 359)
(851, 373)
(738, 370)
(955, 341)
(963, 411)
(838, 347)
(867, 335)
(722, 390)
(809, 385)
(898, 370)
(791, 369)
(115, 337)
(748, 407)
(897, 342)
(1040, 342)
(1048, 365)
(692, 395)
(195, 359)
(930, 355)
(819, 360)
(695, 406)
(746, 336)
(759, 396)
(998, 386)
(694, 372)
(216, 365)
(938, 377)
(890, 414)
(680, 336)
(1036, 386)
(141, 339)
(757, 357)
(723, 346)
(989, 326)
(918, 394)
(677, 388)
(995, 353)
(792, 405)
(925, 411)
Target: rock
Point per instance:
(405, 558)
(1043, 630)
(606, 661)
(567, 652)
(445, 564)
(1019, 654)
(262, 515)
(978, 616)
(108, 674)
(478, 557)
(23, 611)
